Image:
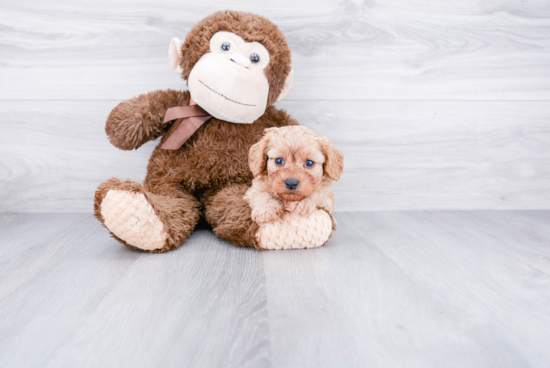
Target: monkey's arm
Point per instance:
(140, 119)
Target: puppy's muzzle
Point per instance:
(292, 183)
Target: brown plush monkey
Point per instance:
(236, 66)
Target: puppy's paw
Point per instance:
(305, 207)
(266, 214)
(290, 205)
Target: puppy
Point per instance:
(293, 168)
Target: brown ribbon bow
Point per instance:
(193, 117)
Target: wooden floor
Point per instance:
(390, 289)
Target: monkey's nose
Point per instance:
(239, 59)
(292, 183)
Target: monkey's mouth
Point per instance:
(224, 96)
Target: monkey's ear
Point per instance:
(174, 54)
(257, 156)
(288, 84)
(334, 163)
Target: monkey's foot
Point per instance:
(295, 231)
(143, 220)
(130, 216)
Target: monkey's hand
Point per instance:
(267, 213)
(140, 119)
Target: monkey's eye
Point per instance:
(279, 161)
(310, 163)
(226, 46)
(254, 58)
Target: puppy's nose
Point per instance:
(292, 183)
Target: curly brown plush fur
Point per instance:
(209, 174)
(232, 222)
(139, 120)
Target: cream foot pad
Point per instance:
(130, 216)
(293, 231)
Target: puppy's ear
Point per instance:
(257, 156)
(334, 163)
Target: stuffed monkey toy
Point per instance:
(236, 65)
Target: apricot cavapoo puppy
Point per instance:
(293, 168)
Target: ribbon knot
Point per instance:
(193, 117)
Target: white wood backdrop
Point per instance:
(436, 104)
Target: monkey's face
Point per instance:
(229, 81)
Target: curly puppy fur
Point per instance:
(293, 146)
(209, 174)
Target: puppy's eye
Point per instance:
(279, 161)
(226, 46)
(310, 163)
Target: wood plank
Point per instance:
(79, 298)
(395, 50)
(414, 155)
(416, 289)
(399, 155)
